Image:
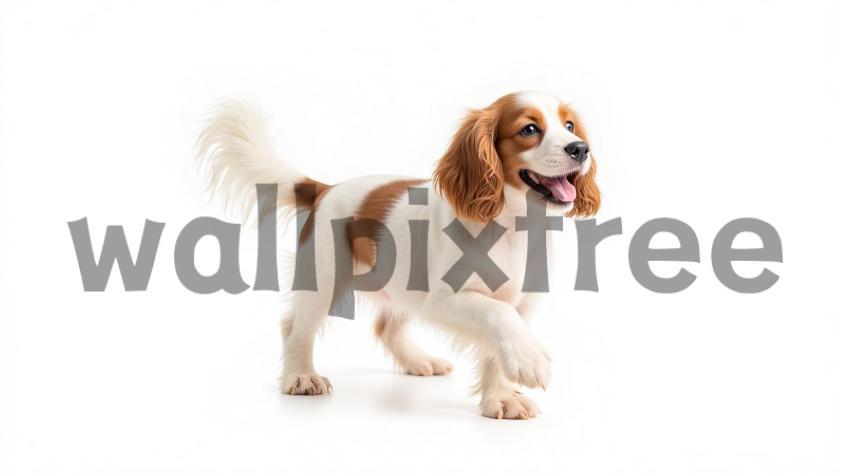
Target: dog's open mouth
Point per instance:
(555, 189)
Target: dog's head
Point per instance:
(527, 140)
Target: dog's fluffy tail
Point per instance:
(236, 152)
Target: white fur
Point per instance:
(236, 152)
(493, 323)
(549, 158)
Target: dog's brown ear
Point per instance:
(469, 176)
(588, 199)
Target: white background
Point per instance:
(700, 111)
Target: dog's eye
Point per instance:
(570, 126)
(529, 130)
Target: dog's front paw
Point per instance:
(305, 384)
(508, 405)
(525, 361)
(428, 366)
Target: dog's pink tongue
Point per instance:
(561, 189)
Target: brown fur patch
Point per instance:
(309, 192)
(375, 207)
(566, 114)
(381, 325)
(470, 174)
(510, 143)
(588, 197)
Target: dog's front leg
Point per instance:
(499, 396)
(497, 329)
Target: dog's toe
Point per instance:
(305, 384)
(428, 367)
(508, 405)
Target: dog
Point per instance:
(525, 143)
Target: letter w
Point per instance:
(95, 275)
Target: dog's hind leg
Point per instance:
(391, 328)
(298, 329)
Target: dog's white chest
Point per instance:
(509, 254)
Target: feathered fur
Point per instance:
(481, 177)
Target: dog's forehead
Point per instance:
(547, 104)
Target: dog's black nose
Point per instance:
(577, 151)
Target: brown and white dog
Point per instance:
(525, 140)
